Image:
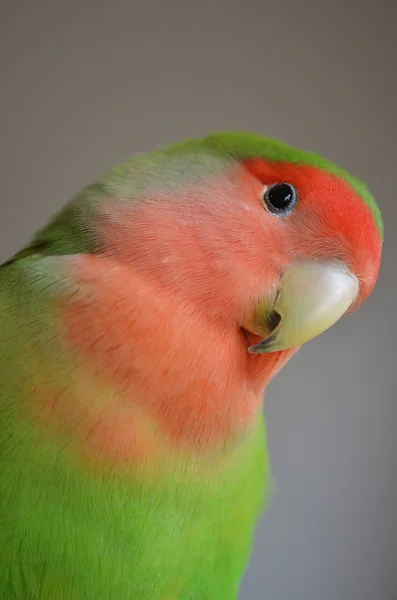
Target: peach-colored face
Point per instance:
(161, 306)
(216, 243)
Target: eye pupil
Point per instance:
(280, 198)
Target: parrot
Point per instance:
(140, 328)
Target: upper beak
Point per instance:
(311, 297)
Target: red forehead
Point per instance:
(330, 217)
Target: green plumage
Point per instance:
(71, 531)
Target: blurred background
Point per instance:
(86, 83)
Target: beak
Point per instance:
(311, 297)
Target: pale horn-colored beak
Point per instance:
(312, 296)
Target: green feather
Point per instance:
(70, 531)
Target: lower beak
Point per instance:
(311, 297)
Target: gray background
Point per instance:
(83, 84)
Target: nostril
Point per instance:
(272, 321)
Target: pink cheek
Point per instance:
(278, 240)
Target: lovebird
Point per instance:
(140, 328)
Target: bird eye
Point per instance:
(280, 198)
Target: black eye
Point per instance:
(280, 198)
